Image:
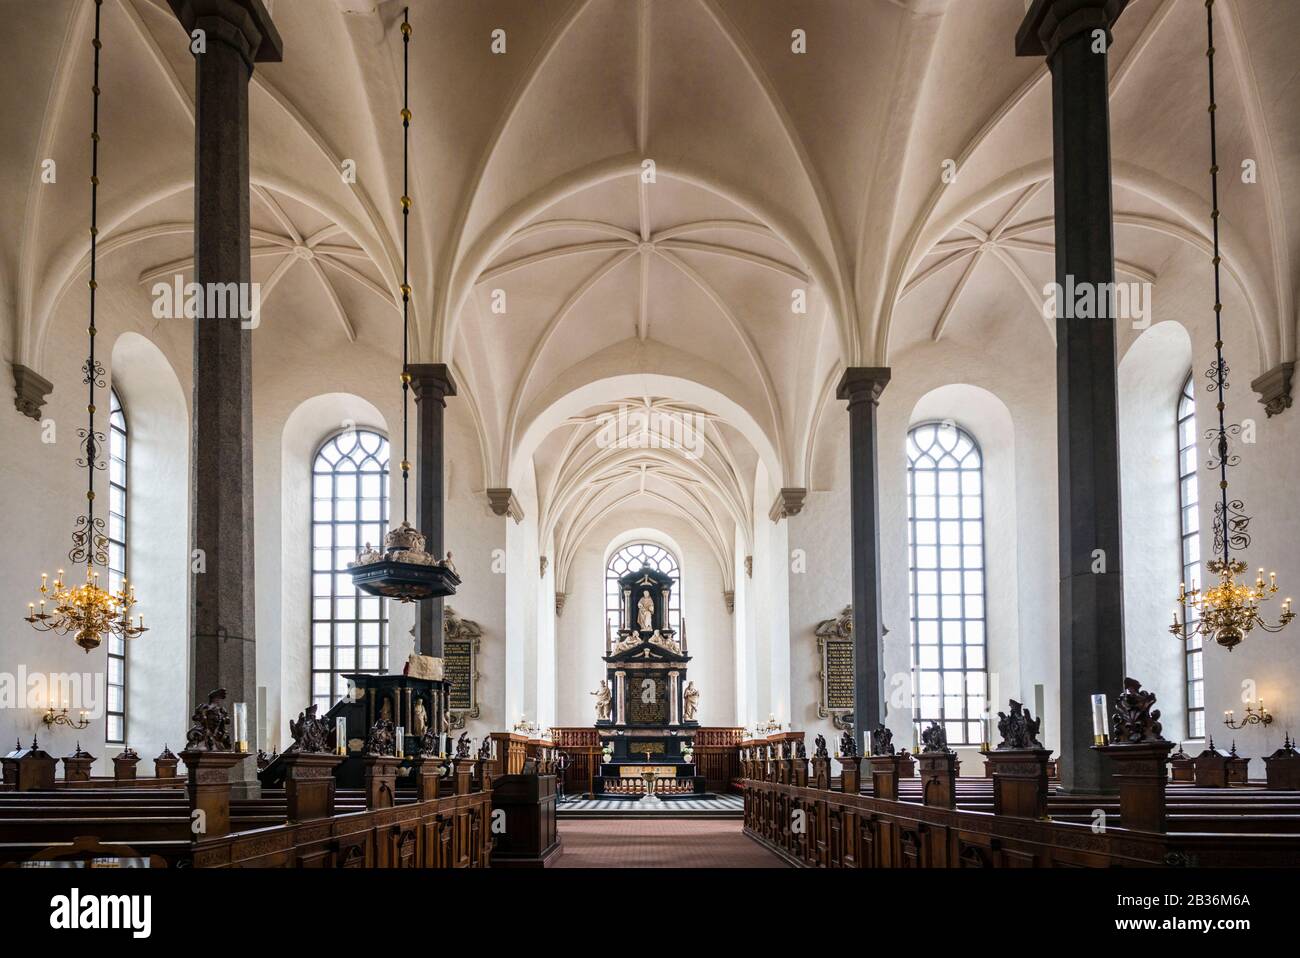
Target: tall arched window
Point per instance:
(115, 712)
(632, 557)
(1190, 553)
(945, 523)
(349, 630)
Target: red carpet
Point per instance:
(646, 843)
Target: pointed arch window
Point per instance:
(349, 629)
(115, 709)
(632, 557)
(1190, 555)
(945, 524)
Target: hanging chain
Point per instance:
(406, 229)
(89, 545)
(1230, 524)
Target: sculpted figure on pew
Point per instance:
(485, 749)
(848, 744)
(311, 735)
(1134, 720)
(210, 731)
(934, 739)
(429, 743)
(1019, 730)
(882, 740)
(381, 740)
(462, 745)
(819, 746)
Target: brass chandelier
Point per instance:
(86, 610)
(1229, 611)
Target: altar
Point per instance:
(646, 705)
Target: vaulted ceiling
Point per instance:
(661, 189)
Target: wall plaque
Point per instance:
(460, 647)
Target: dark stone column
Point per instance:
(432, 383)
(862, 386)
(235, 35)
(1092, 586)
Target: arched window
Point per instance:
(115, 712)
(945, 524)
(349, 630)
(1190, 554)
(632, 557)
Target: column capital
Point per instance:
(30, 390)
(431, 381)
(862, 382)
(1274, 388)
(1049, 23)
(245, 24)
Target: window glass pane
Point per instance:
(118, 563)
(630, 558)
(350, 487)
(1189, 546)
(945, 508)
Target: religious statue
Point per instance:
(882, 740)
(462, 745)
(848, 744)
(645, 614)
(1019, 729)
(485, 749)
(819, 746)
(1133, 719)
(210, 731)
(419, 718)
(602, 701)
(311, 735)
(385, 711)
(381, 740)
(800, 750)
(934, 739)
(690, 701)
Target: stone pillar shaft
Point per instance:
(431, 383)
(234, 35)
(1091, 581)
(862, 387)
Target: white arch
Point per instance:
(521, 444)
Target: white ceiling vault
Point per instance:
(549, 267)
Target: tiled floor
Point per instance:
(667, 843)
(720, 805)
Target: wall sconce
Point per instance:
(52, 718)
(1254, 716)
